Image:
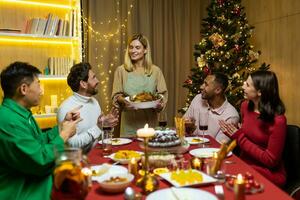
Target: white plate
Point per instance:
(181, 193)
(108, 169)
(202, 140)
(118, 141)
(205, 152)
(143, 105)
(124, 161)
(206, 179)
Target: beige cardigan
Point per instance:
(131, 120)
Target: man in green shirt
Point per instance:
(26, 153)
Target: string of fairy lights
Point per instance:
(103, 41)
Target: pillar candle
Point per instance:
(145, 132)
(239, 188)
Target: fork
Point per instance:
(219, 192)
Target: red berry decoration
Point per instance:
(251, 182)
(256, 185)
(248, 186)
(249, 176)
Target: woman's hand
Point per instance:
(159, 107)
(227, 128)
(124, 103)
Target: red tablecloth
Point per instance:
(238, 166)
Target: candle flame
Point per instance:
(146, 126)
(239, 179)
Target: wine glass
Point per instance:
(162, 120)
(203, 123)
(190, 127)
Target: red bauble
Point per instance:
(237, 47)
(237, 11)
(206, 70)
(189, 82)
(220, 2)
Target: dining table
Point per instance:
(234, 166)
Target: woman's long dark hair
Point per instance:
(270, 103)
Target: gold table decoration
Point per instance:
(148, 182)
(180, 128)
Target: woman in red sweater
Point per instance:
(261, 137)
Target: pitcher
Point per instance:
(72, 177)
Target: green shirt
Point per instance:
(26, 154)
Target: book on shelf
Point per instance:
(10, 30)
(52, 25)
(41, 26)
(60, 65)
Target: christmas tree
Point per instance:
(224, 48)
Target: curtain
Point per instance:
(172, 27)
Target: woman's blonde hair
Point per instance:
(147, 61)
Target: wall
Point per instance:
(276, 34)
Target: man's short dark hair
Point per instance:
(79, 72)
(221, 79)
(16, 74)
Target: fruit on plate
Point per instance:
(127, 154)
(161, 170)
(184, 177)
(197, 140)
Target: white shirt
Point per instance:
(225, 112)
(87, 131)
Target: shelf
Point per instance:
(37, 36)
(34, 38)
(52, 77)
(53, 4)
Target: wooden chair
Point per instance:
(291, 157)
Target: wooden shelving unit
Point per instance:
(36, 49)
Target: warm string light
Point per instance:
(101, 50)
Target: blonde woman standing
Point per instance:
(135, 76)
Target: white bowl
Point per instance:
(115, 187)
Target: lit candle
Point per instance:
(133, 167)
(239, 188)
(145, 132)
(196, 163)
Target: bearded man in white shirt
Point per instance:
(83, 82)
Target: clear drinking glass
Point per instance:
(203, 123)
(107, 140)
(107, 135)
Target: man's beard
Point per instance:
(93, 91)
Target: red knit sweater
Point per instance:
(262, 144)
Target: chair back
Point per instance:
(291, 154)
